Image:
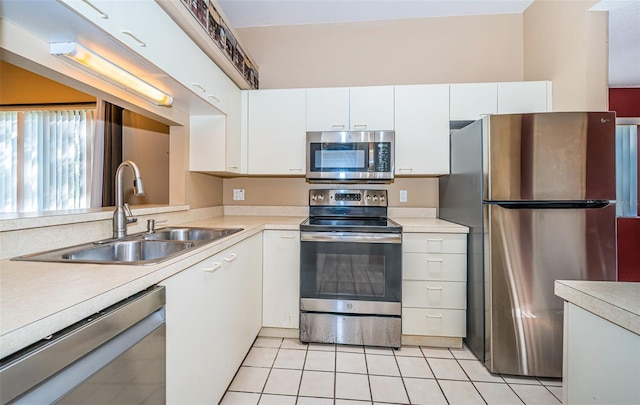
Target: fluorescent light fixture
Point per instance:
(97, 64)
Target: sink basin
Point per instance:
(191, 234)
(138, 249)
(128, 251)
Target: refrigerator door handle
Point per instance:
(514, 205)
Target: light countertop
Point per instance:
(429, 225)
(617, 302)
(38, 299)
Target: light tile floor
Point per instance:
(286, 371)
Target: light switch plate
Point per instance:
(238, 194)
(403, 195)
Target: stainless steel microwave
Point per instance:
(350, 156)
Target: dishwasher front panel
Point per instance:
(137, 376)
(123, 342)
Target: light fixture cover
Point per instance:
(88, 59)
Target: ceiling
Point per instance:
(624, 18)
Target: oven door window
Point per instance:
(351, 271)
(340, 157)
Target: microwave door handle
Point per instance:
(371, 157)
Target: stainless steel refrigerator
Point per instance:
(536, 191)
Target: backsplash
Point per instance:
(422, 192)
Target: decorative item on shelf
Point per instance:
(216, 28)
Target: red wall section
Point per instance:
(629, 249)
(625, 101)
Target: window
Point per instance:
(627, 170)
(46, 159)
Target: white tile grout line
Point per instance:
(423, 356)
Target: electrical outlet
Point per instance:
(403, 195)
(238, 194)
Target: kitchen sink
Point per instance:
(139, 249)
(128, 251)
(191, 234)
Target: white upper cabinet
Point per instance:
(236, 135)
(96, 11)
(328, 109)
(470, 101)
(276, 132)
(371, 108)
(356, 108)
(422, 129)
(207, 143)
(157, 38)
(524, 97)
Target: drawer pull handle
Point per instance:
(337, 126)
(405, 170)
(233, 167)
(434, 288)
(363, 126)
(287, 236)
(434, 316)
(199, 87)
(214, 98)
(138, 40)
(93, 6)
(435, 260)
(213, 268)
(434, 240)
(295, 170)
(231, 258)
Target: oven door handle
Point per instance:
(351, 237)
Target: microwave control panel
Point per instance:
(383, 157)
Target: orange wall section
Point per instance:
(19, 86)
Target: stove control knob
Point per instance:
(382, 197)
(368, 198)
(320, 197)
(375, 197)
(314, 197)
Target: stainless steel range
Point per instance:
(350, 270)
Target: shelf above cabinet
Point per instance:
(186, 19)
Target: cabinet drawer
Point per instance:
(434, 322)
(434, 294)
(430, 266)
(434, 242)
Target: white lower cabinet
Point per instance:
(434, 322)
(434, 286)
(281, 279)
(213, 314)
(601, 360)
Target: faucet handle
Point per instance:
(129, 214)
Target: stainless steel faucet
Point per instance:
(122, 215)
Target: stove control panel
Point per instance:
(348, 197)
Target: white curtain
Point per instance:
(49, 166)
(8, 160)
